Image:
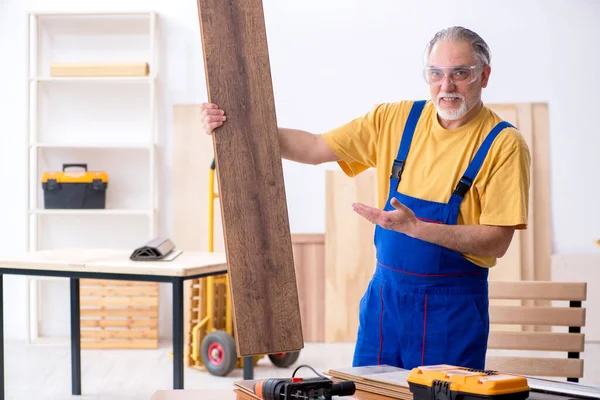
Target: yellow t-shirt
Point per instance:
(436, 161)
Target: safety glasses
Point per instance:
(460, 75)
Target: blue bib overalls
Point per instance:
(425, 304)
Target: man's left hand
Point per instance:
(401, 219)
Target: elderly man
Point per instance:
(453, 185)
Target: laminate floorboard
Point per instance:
(250, 178)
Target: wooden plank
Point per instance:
(193, 154)
(349, 255)
(541, 168)
(528, 315)
(547, 367)
(525, 126)
(89, 69)
(119, 323)
(119, 291)
(509, 267)
(119, 344)
(542, 341)
(119, 334)
(104, 282)
(309, 258)
(122, 312)
(575, 291)
(250, 178)
(119, 301)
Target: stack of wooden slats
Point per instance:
(382, 380)
(364, 391)
(118, 314)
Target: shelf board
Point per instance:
(116, 79)
(149, 13)
(134, 146)
(99, 212)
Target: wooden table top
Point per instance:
(188, 263)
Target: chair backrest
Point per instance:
(519, 315)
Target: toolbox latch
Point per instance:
(97, 185)
(52, 184)
(441, 390)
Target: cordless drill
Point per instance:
(319, 388)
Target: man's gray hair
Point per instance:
(461, 34)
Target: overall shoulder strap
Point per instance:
(407, 135)
(469, 176)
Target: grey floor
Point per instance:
(44, 371)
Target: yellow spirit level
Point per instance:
(448, 382)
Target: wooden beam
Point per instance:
(540, 366)
(533, 315)
(541, 341)
(250, 178)
(538, 290)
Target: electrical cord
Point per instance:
(309, 367)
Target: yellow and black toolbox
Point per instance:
(74, 189)
(448, 382)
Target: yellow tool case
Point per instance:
(74, 189)
(448, 382)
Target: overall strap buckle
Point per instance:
(463, 186)
(407, 136)
(472, 170)
(397, 169)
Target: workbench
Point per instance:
(231, 394)
(76, 264)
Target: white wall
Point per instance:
(331, 61)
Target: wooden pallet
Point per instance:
(118, 314)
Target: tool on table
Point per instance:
(159, 248)
(320, 388)
(449, 382)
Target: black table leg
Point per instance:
(2, 387)
(75, 338)
(249, 368)
(178, 333)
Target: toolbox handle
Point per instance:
(65, 166)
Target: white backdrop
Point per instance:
(332, 60)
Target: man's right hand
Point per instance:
(212, 117)
(296, 145)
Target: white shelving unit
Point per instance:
(108, 123)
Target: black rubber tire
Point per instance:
(227, 358)
(285, 360)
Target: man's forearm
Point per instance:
(304, 147)
(296, 145)
(482, 240)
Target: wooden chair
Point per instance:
(522, 317)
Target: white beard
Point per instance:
(460, 112)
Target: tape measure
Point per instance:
(449, 382)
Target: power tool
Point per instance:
(319, 388)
